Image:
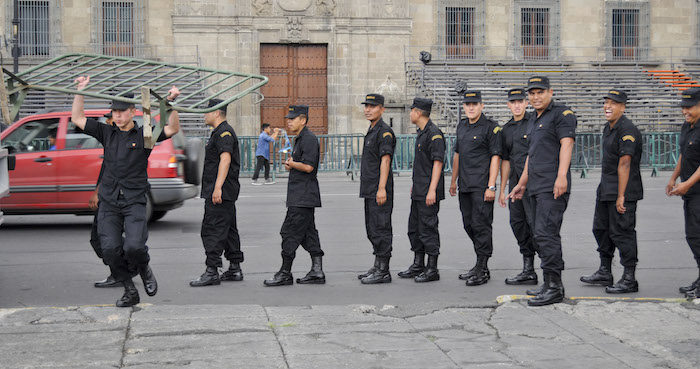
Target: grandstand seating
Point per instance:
(652, 105)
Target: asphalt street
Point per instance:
(46, 260)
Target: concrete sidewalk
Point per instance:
(575, 334)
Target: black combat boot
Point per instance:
(380, 275)
(528, 275)
(603, 276)
(315, 275)
(131, 295)
(692, 286)
(284, 276)
(149, 280)
(471, 272)
(552, 295)
(416, 268)
(538, 290)
(481, 274)
(431, 272)
(371, 270)
(234, 273)
(108, 282)
(626, 284)
(693, 294)
(209, 278)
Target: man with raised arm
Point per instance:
(123, 190)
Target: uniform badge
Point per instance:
(628, 138)
(227, 133)
(475, 137)
(436, 137)
(496, 129)
(567, 112)
(133, 144)
(524, 136)
(387, 134)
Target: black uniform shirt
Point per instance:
(690, 155)
(514, 149)
(556, 122)
(623, 139)
(379, 141)
(302, 188)
(125, 161)
(476, 144)
(223, 139)
(430, 146)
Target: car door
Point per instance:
(33, 181)
(78, 168)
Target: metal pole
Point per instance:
(15, 36)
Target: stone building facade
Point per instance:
(366, 42)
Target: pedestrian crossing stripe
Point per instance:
(567, 112)
(495, 130)
(387, 134)
(227, 133)
(436, 137)
(628, 138)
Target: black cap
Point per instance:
(422, 104)
(616, 94)
(690, 97)
(472, 96)
(516, 94)
(108, 115)
(374, 99)
(215, 102)
(538, 82)
(297, 110)
(121, 105)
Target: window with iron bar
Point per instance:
(460, 28)
(628, 30)
(39, 26)
(536, 31)
(119, 27)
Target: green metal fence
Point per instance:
(342, 153)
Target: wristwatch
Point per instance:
(492, 188)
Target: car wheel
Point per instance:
(195, 161)
(157, 215)
(149, 208)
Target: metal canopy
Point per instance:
(112, 77)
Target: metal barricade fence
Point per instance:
(342, 153)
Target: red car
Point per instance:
(57, 166)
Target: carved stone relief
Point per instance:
(294, 29)
(262, 6)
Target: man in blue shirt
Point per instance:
(263, 153)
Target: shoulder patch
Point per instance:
(387, 134)
(567, 112)
(496, 129)
(436, 137)
(628, 138)
(227, 133)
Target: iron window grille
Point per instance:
(461, 28)
(537, 29)
(627, 30)
(39, 32)
(119, 27)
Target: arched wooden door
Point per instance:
(298, 76)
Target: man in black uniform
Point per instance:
(426, 192)
(616, 199)
(514, 141)
(94, 204)
(688, 168)
(220, 189)
(377, 188)
(476, 161)
(547, 176)
(123, 190)
(303, 196)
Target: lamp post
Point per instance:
(15, 36)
